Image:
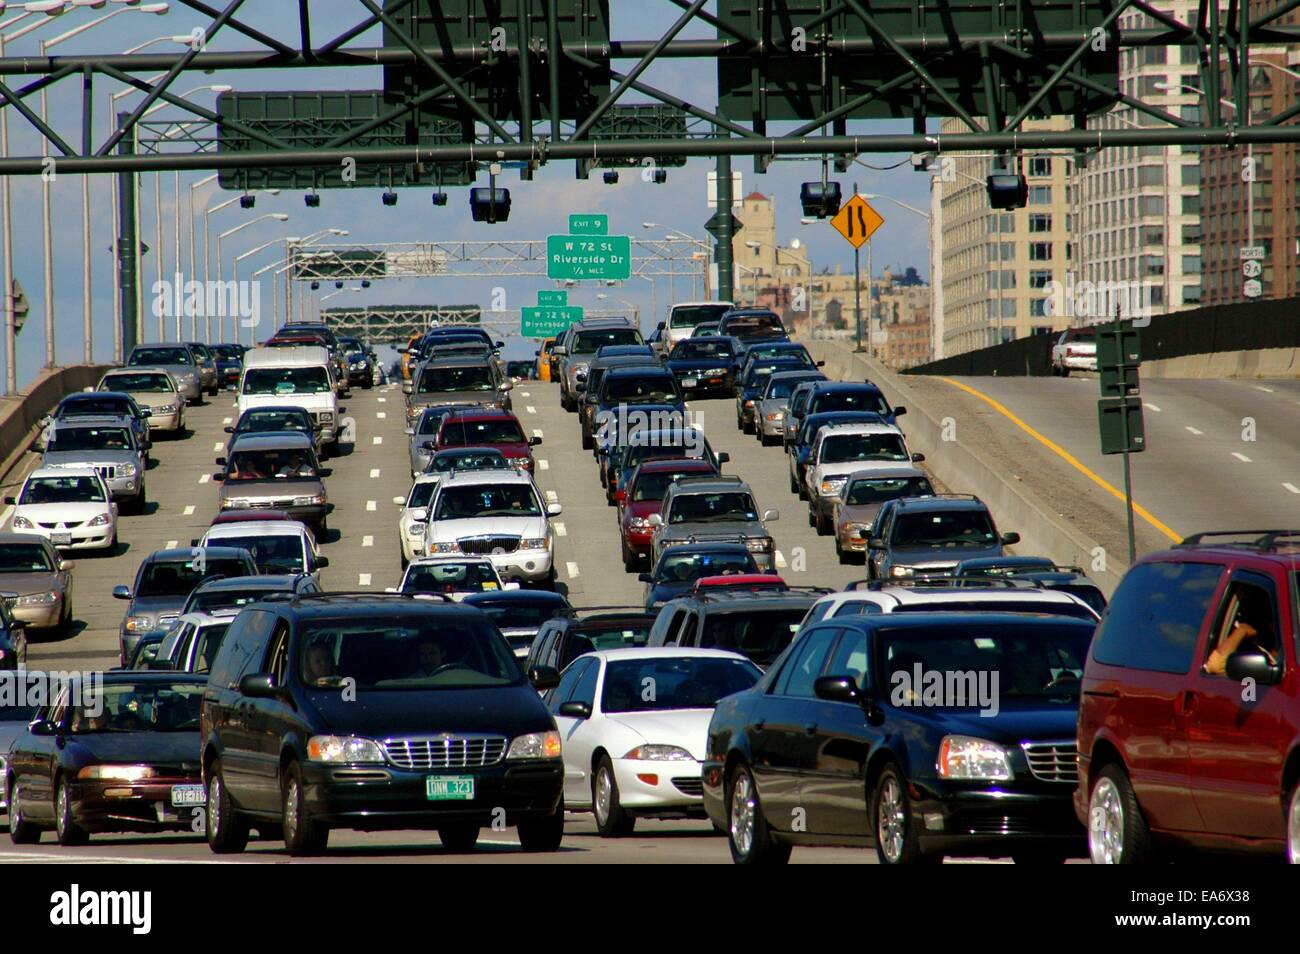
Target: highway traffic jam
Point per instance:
(959, 699)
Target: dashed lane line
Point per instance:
(560, 530)
(1241, 457)
(204, 478)
(543, 465)
(572, 569)
(189, 510)
(374, 472)
(367, 541)
(363, 579)
(1194, 430)
(371, 505)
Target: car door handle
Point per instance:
(811, 728)
(1185, 703)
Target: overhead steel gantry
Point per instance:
(819, 64)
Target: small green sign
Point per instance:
(589, 224)
(546, 321)
(580, 257)
(560, 298)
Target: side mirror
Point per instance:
(259, 685)
(645, 578)
(512, 585)
(660, 326)
(620, 496)
(230, 429)
(41, 727)
(559, 352)
(771, 515)
(1010, 538)
(576, 710)
(900, 411)
(408, 430)
(507, 385)
(10, 500)
(66, 564)
(554, 510)
(218, 477)
(655, 520)
(324, 471)
(121, 592)
(534, 441)
(543, 678)
(428, 445)
(1240, 666)
(498, 344)
(194, 541)
(400, 501)
(220, 462)
(837, 689)
(875, 543)
(145, 412)
(407, 388)
(917, 458)
(724, 458)
(322, 562)
(819, 364)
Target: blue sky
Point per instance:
(539, 207)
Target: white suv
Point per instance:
(497, 513)
(841, 450)
(1006, 596)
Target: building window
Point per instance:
(1040, 166)
(1037, 308)
(1191, 175)
(1190, 113)
(1151, 235)
(1008, 307)
(1153, 265)
(1151, 175)
(1191, 264)
(1191, 205)
(1040, 222)
(1040, 195)
(1040, 251)
(1151, 205)
(1192, 234)
(1038, 278)
(1191, 294)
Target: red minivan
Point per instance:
(643, 496)
(1189, 717)
(489, 427)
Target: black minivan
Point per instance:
(376, 712)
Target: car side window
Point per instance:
(1154, 620)
(585, 690)
(857, 608)
(277, 656)
(804, 665)
(1247, 622)
(816, 614)
(850, 657)
(560, 694)
(684, 632)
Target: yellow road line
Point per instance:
(1068, 458)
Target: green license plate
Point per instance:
(449, 788)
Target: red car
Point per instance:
(489, 427)
(251, 515)
(740, 581)
(643, 496)
(1189, 711)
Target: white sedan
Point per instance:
(69, 506)
(634, 724)
(413, 523)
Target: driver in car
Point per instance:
(430, 654)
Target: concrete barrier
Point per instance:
(966, 470)
(20, 416)
(1269, 363)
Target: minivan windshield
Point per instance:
(497, 430)
(589, 342)
(944, 528)
(487, 500)
(847, 448)
(641, 389)
(301, 380)
(405, 652)
(281, 553)
(470, 377)
(713, 508)
(688, 316)
(880, 489)
(90, 439)
(865, 399)
(143, 357)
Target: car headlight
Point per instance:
(118, 773)
(22, 523)
(126, 470)
(449, 546)
(166, 409)
(964, 757)
(776, 416)
(535, 745)
(749, 402)
(416, 529)
(236, 503)
(326, 417)
(99, 520)
(535, 543)
(40, 599)
(832, 485)
(713, 371)
(139, 624)
(901, 571)
(315, 500)
(660, 753)
(639, 523)
(343, 748)
(859, 529)
(518, 461)
(189, 377)
(759, 544)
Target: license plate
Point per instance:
(449, 788)
(60, 539)
(189, 795)
(690, 382)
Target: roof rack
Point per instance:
(953, 582)
(710, 479)
(1264, 539)
(367, 594)
(640, 609)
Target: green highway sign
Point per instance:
(589, 224)
(546, 321)
(552, 298)
(588, 256)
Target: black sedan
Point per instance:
(123, 756)
(680, 566)
(925, 735)
(704, 365)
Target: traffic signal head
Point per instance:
(440, 198)
(610, 177)
(247, 201)
(389, 198)
(489, 204)
(1007, 191)
(660, 176)
(820, 199)
(311, 200)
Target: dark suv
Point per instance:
(376, 713)
(759, 624)
(1189, 728)
(929, 536)
(562, 640)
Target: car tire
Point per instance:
(1117, 832)
(823, 525)
(611, 820)
(550, 581)
(1065, 372)
(892, 828)
(65, 621)
(69, 833)
(748, 836)
(587, 442)
(629, 559)
(405, 562)
(458, 839)
(302, 835)
(227, 831)
(812, 515)
(1293, 825)
(368, 382)
(840, 554)
(543, 834)
(794, 487)
(21, 831)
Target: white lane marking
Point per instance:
(374, 472)
(378, 440)
(112, 859)
(780, 559)
(543, 465)
(1260, 387)
(560, 530)
(530, 409)
(1194, 430)
(171, 545)
(552, 497)
(363, 579)
(524, 394)
(1241, 457)
(381, 415)
(5, 515)
(217, 446)
(573, 570)
(537, 433)
(370, 505)
(1150, 407)
(383, 400)
(367, 541)
(1291, 487)
(203, 479)
(226, 420)
(189, 510)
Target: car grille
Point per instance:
(1053, 761)
(166, 619)
(66, 525)
(479, 546)
(693, 786)
(106, 472)
(445, 751)
(1027, 824)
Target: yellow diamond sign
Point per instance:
(857, 221)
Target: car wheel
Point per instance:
(812, 515)
(891, 814)
(65, 622)
(543, 834)
(1293, 826)
(748, 836)
(823, 525)
(367, 383)
(629, 559)
(227, 831)
(794, 487)
(587, 442)
(458, 838)
(302, 835)
(840, 554)
(21, 831)
(69, 833)
(1065, 372)
(611, 820)
(1117, 832)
